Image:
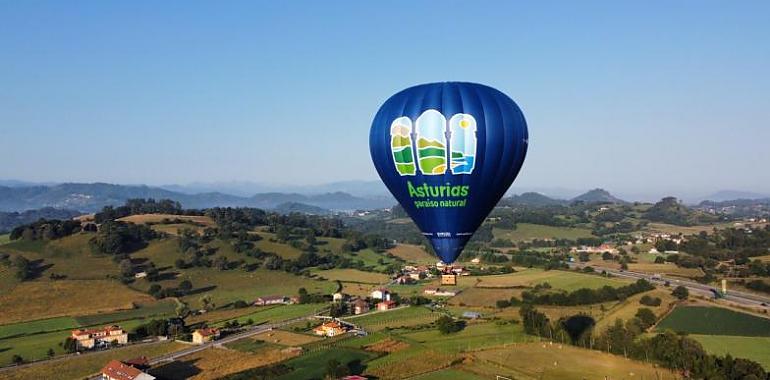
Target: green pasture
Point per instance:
(715, 321)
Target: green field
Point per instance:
(754, 348)
(448, 374)
(313, 365)
(527, 232)
(352, 275)
(82, 366)
(5, 238)
(38, 326)
(473, 337)
(274, 314)
(408, 316)
(715, 321)
(161, 309)
(558, 279)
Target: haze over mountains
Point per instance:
(338, 196)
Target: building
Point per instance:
(115, 370)
(381, 294)
(406, 279)
(386, 305)
(272, 300)
(360, 306)
(330, 329)
(355, 377)
(440, 292)
(338, 297)
(449, 279)
(90, 338)
(471, 315)
(205, 335)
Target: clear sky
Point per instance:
(637, 97)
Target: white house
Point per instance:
(381, 294)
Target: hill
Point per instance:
(670, 210)
(597, 196)
(9, 220)
(90, 197)
(290, 207)
(533, 199)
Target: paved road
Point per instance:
(228, 339)
(741, 298)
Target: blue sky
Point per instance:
(637, 97)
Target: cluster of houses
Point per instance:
(87, 339)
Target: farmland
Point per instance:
(353, 275)
(47, 299)
(4, 238)
(532, 276)
(82, 366)
(410, 316)
(555, 362)
(214, 363)
(715, 321)
(412, 253)
(528, 232)
(754, 348)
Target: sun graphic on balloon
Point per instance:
(464, 123)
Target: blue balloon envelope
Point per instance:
(448, 152)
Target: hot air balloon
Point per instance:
(448, 152)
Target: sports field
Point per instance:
(715, 321)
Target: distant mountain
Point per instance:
(247, 189)
(533, 199)
(290, 207)
(11, 220)
(93, 196)
(729, 195)
(597, 196)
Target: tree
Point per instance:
(70, 345)
(681, 292)
(448, 325)
(660, 260)
(646, 318)
(17, 359)
(50, 353)
(182, 310)
(335, 369)
(185, 287)
(206, 301)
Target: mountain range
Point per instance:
(537, 200)
(90, 197)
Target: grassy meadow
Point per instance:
(754, 348)
(715, 321)
(528, 232)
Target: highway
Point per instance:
(738, 297)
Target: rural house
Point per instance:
(381, 294)
(201, 336)
(360, 306)
(90, 338)
(386, 305)
(115, 370)
(272, 300)
(330, 329)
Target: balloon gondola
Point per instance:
(448, 152)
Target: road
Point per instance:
(738, 297)
(228, 339)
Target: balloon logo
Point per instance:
(448, 152)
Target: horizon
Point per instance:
(194, 99)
